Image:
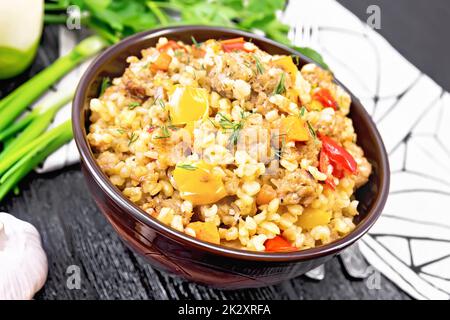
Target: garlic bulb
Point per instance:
(23, 262)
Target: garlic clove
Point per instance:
(23, 262)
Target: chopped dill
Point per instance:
(165, 133)
(197, 45)
(187, 166)
(311, 130)
(302, 111)
(235, 127)
(133, 138)
(106, 83)
(259, 66)
(296, 59)
(280, 88)
(133, 105)
(161, 104)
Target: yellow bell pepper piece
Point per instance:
(187, 103)
(287, 65)
(197, 183)
(315, 106)
(294, 128)
(311, 218)
(292, 95)
(206, 231)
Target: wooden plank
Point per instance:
(74, 232)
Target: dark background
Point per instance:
(75, 233)
(418, 29)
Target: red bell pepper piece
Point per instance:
(338, 156)
(235, 44)
(324, 162)
(325, 98)
(171, 45)
(278, 244)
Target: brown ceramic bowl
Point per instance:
(178, 253)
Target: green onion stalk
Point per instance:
(26, 142)
(36, 121)
(17, 101)
(53, 140)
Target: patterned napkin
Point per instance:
(410, 244)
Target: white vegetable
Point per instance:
(23, 262)
(21, 24)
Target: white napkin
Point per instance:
(67, 154)
(410, 244)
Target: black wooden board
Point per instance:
(75, 233)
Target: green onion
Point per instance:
(38, 124)
(19, 125)
(13, 105)
(162, 17)
(14, 175)
(12, 157)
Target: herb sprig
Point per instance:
(187, 166)
(280, 88)
(259, 66)
(302, 111)
(311, 130)
(196, 44)
(161, 103)
(235, 127)
(106, 83)
(133, 105)
(280, 151)
(133, 138)
(165, 133)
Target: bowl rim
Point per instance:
(115, 194)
